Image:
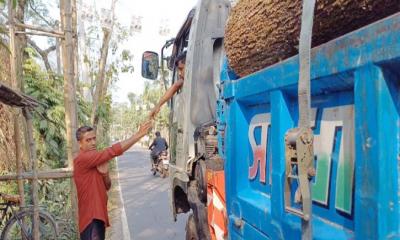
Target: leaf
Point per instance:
(43, 124)
(51, 132)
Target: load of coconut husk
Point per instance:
(262, 32)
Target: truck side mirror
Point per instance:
(150, 65)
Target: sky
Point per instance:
(153, 13)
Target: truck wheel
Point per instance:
(200, 176)
(191, 232)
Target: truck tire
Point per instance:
(191, 232)
(260, 33)
(200, 176)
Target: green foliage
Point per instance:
(49, 135)
(50, 118)
(49, 122)
(4, 2)
(57, 200)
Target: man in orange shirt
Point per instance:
(91, 182)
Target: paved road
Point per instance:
(146, 200)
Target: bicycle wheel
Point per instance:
(14, 231)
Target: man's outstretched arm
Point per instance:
(166, 97)
(92, 159)
(143, 130)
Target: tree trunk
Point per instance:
(17, 45)
(75, 42)
(260, 33)
(83, 60)
(69, 92)
(21, 42)
(98, 95)
(44, 55)
(101, 90)
(58, 51)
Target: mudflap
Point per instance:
(216, 204)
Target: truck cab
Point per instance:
(193, 135)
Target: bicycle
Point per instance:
(18, 223)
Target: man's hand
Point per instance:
(154, 112)
(103, 168)
(145, 128)
(166, 97)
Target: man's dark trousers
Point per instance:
(96, 230)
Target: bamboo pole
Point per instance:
(42, 175)
(15, 85)
(69, 92)
(40, 34)
(39, 29)
(35, 184)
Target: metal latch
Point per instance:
(299, 141)
(299, 156)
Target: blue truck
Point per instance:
(355, 121)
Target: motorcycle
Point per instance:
(161, 165)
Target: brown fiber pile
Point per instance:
(7, 146)
(262, 32)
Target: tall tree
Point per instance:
(83, 58)
(100, 93)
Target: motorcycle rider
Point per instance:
(158, 145)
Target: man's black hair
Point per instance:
(158, 134)
(81, 131)
(180, 57)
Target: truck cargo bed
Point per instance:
(356, 107)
